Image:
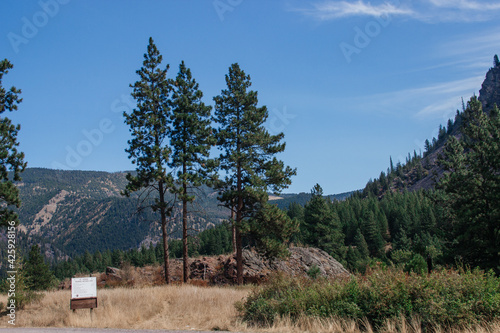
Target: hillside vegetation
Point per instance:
(71, 212)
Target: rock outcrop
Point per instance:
(489, 94)
(222, 269)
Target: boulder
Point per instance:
(113, 273)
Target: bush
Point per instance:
(444, 298)
(417, 265)
(313, 272)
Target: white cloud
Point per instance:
(427, 11)
(437, 101)
(484, 42)
(465, 5)
(329, 10)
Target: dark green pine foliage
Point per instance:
(361, 245)
(149, 147)
(321, 226)
(11, 160)
(272, 229)
(191, 140)
(471, 187)
(247, 156)
(357, 256)
(38, 273)
(212, 241)
(372, 234)
(296, 212)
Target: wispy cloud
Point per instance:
(470, 52)
(437, 101)
(473, 43)
(329, 10)
(427, 11)
(465, 5)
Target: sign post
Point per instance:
(83, 293)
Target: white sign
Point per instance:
(83, 287)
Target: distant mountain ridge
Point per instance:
(78, 211)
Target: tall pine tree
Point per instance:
(10, 158)
(191, 140)
(471, 187)
(321, 226)
(149, 147)
(247, 154)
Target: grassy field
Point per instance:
(184, 307)
(169, 307)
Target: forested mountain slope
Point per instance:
(84, 210)
(421, 170)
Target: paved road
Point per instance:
(88, 330)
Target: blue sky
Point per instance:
(350, 83)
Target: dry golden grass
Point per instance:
(163, 307)
(182, 307)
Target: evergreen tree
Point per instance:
(427, 146)
(372, 234)
(471, 187)
(10, 158)
(88, 261)
(116, 258)
(352, 258)
(321, 224)
(98, 261)
(148, 148)
(361, 245)
(247, 153)
(191, 139)
(37, 272)
(296, 212)
(272, 229)
(23, 294)
(449, 127)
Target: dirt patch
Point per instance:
(47, 212)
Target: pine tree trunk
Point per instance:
(233, 229)
(239, 258)
(239, 245)
(184, 234)
(163, 214)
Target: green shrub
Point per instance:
(417, 264)
(313, 272)
(444, 298)
(21, 295)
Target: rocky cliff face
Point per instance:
(489, 95)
